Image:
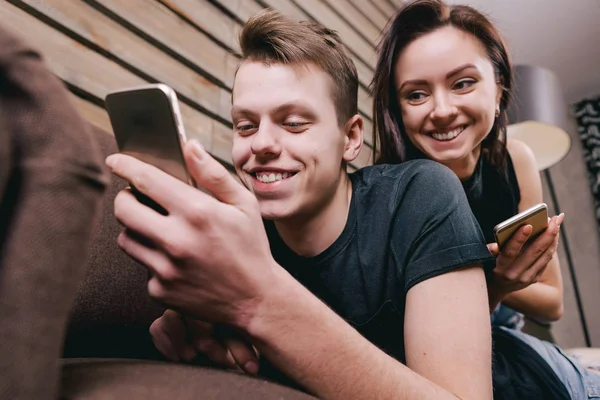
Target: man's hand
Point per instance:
(179, 339)
(209, 257)
(519, 265)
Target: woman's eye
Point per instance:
(416, 96)
(464, 84)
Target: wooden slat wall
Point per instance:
(96, 46)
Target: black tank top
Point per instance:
(519, 371)
(492, 196)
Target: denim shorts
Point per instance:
(505, 316)
(578, 380)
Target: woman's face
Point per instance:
(448, 95)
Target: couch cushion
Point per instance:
(112, 310)
(118, 379)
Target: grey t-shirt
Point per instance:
(407, 223)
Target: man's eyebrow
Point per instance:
(235, 110)
(448, 75)
(290, 105)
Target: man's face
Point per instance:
(287, 146)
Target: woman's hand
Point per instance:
(518, 263)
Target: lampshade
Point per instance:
(538, 115)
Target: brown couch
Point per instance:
(75, 311)
(51, 180)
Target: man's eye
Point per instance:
(296, 126)
(245, 128)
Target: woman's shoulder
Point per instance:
(526, 172)
(521, 155)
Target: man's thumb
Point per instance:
(211, 175)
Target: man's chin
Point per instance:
(275, 210)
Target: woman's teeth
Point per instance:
(269, 177)
(448, 135)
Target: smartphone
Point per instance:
(536, 216)
(147, 125)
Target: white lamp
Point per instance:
(538, 115)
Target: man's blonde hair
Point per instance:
(272, 38)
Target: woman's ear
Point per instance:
(499, 92)
(353, 139)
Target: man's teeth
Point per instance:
(448, 135)
(268, 177)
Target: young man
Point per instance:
(366, 285)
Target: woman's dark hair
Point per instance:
(415, 19)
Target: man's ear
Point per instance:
(353, 139)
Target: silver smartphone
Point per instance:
(147, 125)
(536, 216)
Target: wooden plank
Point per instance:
(356, 20)
(322, 13)
(92, 113)
(289, 8)
(107, 34)
(243, 9)
(372, 13)
(385, 7)
(193, 13)
(210, 19)
(92, 72)
(160, 23)
(97, 75)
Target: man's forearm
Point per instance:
(316, 348)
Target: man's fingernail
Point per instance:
(560, 219)
(110, 161)
(251, 367)
(197, 149)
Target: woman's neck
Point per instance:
(465, 167)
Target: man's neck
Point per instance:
(310, 235)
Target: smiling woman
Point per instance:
(447, 110)
(441, 90)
